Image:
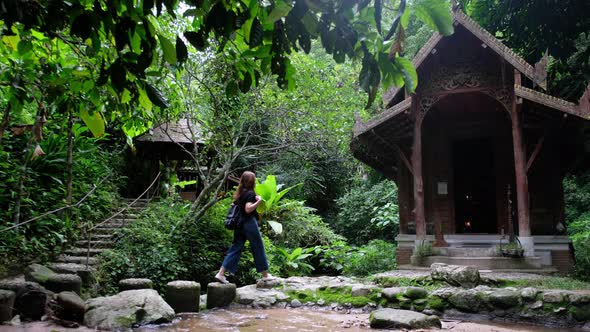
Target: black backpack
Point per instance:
(233, 220)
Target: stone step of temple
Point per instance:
(95, 244)
(482, 263)
(469, 251)
(84, 251)
(545, 270)
(77, 259)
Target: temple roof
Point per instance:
(183, 131)
(483, 35)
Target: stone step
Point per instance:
(469, 252)
(112, 224)
(85, 272)
(106, 231)
(482, 263)
(96, 243)
(84, 251)
(77, 259)
(101, 237)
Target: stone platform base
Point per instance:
(482, 263)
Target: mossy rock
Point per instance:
(504, 298)
(38, 273)
(436, 303)
(419, 304)
(415, 293)
(581, 314)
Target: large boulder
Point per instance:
(55, 282)
(70, 306)
(7, 298)
(86, 273)
(183, 296)
(31, 298)
(504, 298)
(127, 309)
(392, 293)
(402, 319)
(455, 275)
(466, 300)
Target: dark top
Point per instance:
(247, 197)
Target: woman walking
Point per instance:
(248, 201)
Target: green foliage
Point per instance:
(576, 189)
(294, 263)
(301, 226)
(368, 212)
(43, 182)
(376, 256)
(270, 194)
(548, 282)
(580, 235)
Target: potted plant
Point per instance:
(512, 249)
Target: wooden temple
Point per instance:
(478, 153)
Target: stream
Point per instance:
(300, 320)
(305, 320)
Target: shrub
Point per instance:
(376, 256)
(301, 226)
(580, 235)
(368, 212)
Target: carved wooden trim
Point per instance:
(584, 103)
(549, 101)
(493, 43)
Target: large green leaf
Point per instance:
(436, 14)
(276, 226)
(408, 71)
(168, 49)
(280, 9)
(94, 121)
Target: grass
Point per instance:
(424, 282)
(548, 283)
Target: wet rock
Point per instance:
(7, 298)
(537, 305)
(415, 293)
(269, 283)
(360, 290)
(250, 294)
(466, 300)
(553, 297)
(529, 294)
(31, 298)
(183, 296)
(455, 275)
(135, 283)
(203, 302)
(504, 298)
(71, 306)
(402, 319)
(392, 293)
(15, 321)
(127, 309)
(38, 273)
(295, 303)
(444, 293)
(321, 302)
(220, 295)
(578, 298)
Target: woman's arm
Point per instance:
(251, 207)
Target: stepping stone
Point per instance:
(53, 281)
(7, 298)
(402, 319)
(77, 260)
(135, 283)
(72, 268)
(31, 298)
(84, 251)
(71, 306)
(183, 296)
(220, 295)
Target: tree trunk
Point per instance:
(4, 123)
(69, 165)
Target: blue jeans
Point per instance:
(249, 231)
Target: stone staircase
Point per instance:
(74, 260)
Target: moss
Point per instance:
(580, 314)
(424, 282)
(419, 304)
(330, 296)
(546, 283)
(436, 303)
(125, 321)
(302, 295)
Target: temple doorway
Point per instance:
(475, 186)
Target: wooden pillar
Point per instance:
(419, 215)
(520, 173)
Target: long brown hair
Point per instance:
(247, 182)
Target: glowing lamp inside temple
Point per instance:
(467, 223)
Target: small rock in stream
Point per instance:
(296, 303)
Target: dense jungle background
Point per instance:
(78, 84)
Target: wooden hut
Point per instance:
(478, 151)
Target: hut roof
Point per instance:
(183, 131)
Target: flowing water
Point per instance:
(304, 320)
